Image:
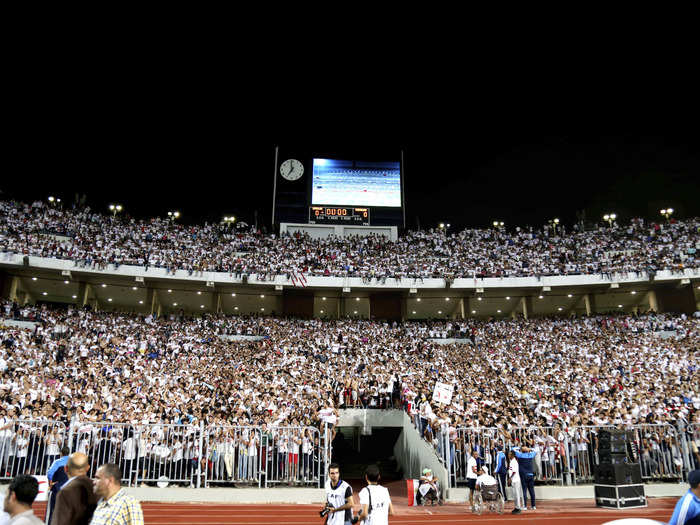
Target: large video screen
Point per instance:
(355, 183)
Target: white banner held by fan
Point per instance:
(443, 393)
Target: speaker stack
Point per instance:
(618, 476)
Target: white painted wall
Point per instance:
(18, 324)
(353, 282)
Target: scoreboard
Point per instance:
(339, 215)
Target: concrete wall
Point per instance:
(18, 324)
(357, 417)
(414, 454)
(353, 282)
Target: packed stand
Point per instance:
(108, 376)
(103, 241)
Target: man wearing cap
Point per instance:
(428, 488)
(687, 511)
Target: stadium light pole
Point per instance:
(667, 212)
(228, 221)
(610, 218)
(173, 215)
(554, 223)
(498, 225)
(115, 208)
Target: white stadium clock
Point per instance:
(291, 169)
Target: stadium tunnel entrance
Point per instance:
(387, 438)
(355, 447)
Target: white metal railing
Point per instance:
(30, 446)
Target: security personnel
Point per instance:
(687, 511)
(526, 463)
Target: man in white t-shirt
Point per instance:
(471, 477)
(375, 500)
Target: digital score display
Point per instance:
(338, 215)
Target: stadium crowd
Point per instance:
(96, 240)
(80, 366)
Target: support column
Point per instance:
(216, 302)
(466, 308)
(153, 301)
(653, 303)
(14, 282)
(514, 310)
(571, 311)
(461, 308)
(587, 303)
(83, 293)
(404, 309)
(526, 305)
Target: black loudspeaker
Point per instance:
(607, 457)
(613, 447)
(620, 474)
(611, 438)
(244, 278)
(25, 260)
(620, 496)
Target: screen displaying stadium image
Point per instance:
(355, 183)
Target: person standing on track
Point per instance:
(115, 506)
(526, 458)
(687, 511)
(338, 498)
(501, 471)
(514, 481)
(471, 476)
(19, 498)
(375, 500)
(76, 501)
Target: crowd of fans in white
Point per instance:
(81, 365)
(98, 240)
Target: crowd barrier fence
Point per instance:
(30, 446)
(691, 446)
(570, 456)
(660, 452)
(145, 453)
(551, 462)
(235, 454)
(293, 456)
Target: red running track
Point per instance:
(579, 512)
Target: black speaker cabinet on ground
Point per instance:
(620, 496)
(622, 474)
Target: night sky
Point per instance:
(210, 166)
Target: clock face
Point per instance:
(291, 169)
